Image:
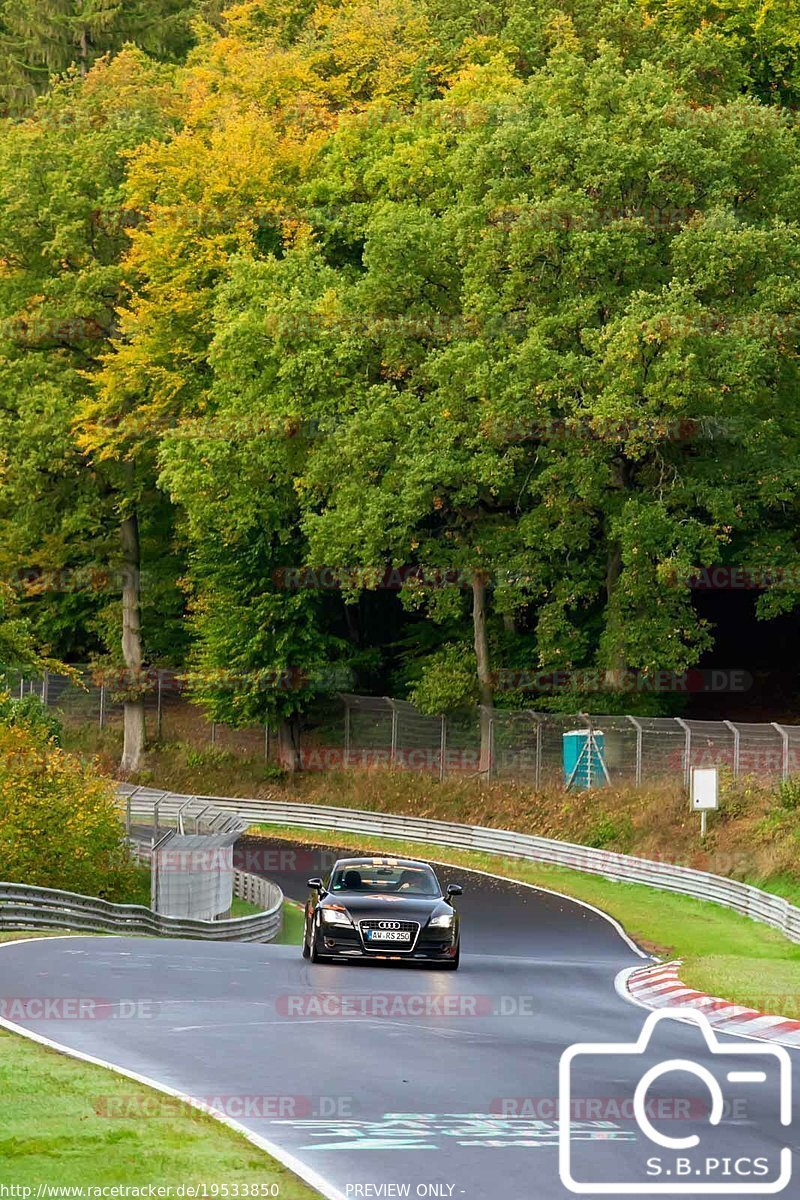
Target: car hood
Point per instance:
(407, 908)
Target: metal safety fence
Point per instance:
(742, 898)
(193, 875)
(350, 731)
(23, 907)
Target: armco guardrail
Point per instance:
(701, 885)
(24, 907)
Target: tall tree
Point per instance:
(43, 38)
(62, 236)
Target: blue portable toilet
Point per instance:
(584, 764)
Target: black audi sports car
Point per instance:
(383, 908)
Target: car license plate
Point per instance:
(388, 935)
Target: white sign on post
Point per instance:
(705, 797)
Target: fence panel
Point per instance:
(351, 731)
(663, 748)
(760, 750)
(515, 745)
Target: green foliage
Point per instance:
(612, 833)
(447, 681)
(17, 649)
(208, 756)
(465, 291)
(59, 825)
(743, 796)
(788, 794)
(29, 712)
(63, 232)
(43, 38)
(274, 774)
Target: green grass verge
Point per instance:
(293, 919)
(243, 908)
(723, 953)
(66, 1122)
(291, 933)
(779, 885)
(19, 935)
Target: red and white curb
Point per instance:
(661, 987)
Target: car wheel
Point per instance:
(306, 951)
(314, 953)
(451, 964)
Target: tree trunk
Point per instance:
(289, 743)
(83, 57)
(133, 714)
(614, 675)
(352, 618)
(484, 674)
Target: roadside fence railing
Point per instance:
(350, 731)
(23, 908)
(742, 898)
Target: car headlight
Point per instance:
(444, 921)
(336, 916)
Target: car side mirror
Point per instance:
(454, 889)
(317, 884)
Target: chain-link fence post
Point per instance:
(346, 733)
(785, 750)
(537, 758)
(442, 747)
(736, 743)
(639, 743)
(159, 710)
(102, 717)
(687, 753)
(538, 764)
(393, 747)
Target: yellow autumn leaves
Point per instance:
(59, 825)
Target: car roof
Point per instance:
(379, 861)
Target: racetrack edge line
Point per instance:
(284, 1157)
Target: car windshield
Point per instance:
(385, 878)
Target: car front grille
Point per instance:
(377, 943)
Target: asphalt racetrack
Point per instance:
(388, 1081)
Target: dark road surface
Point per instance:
(389, 1081)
